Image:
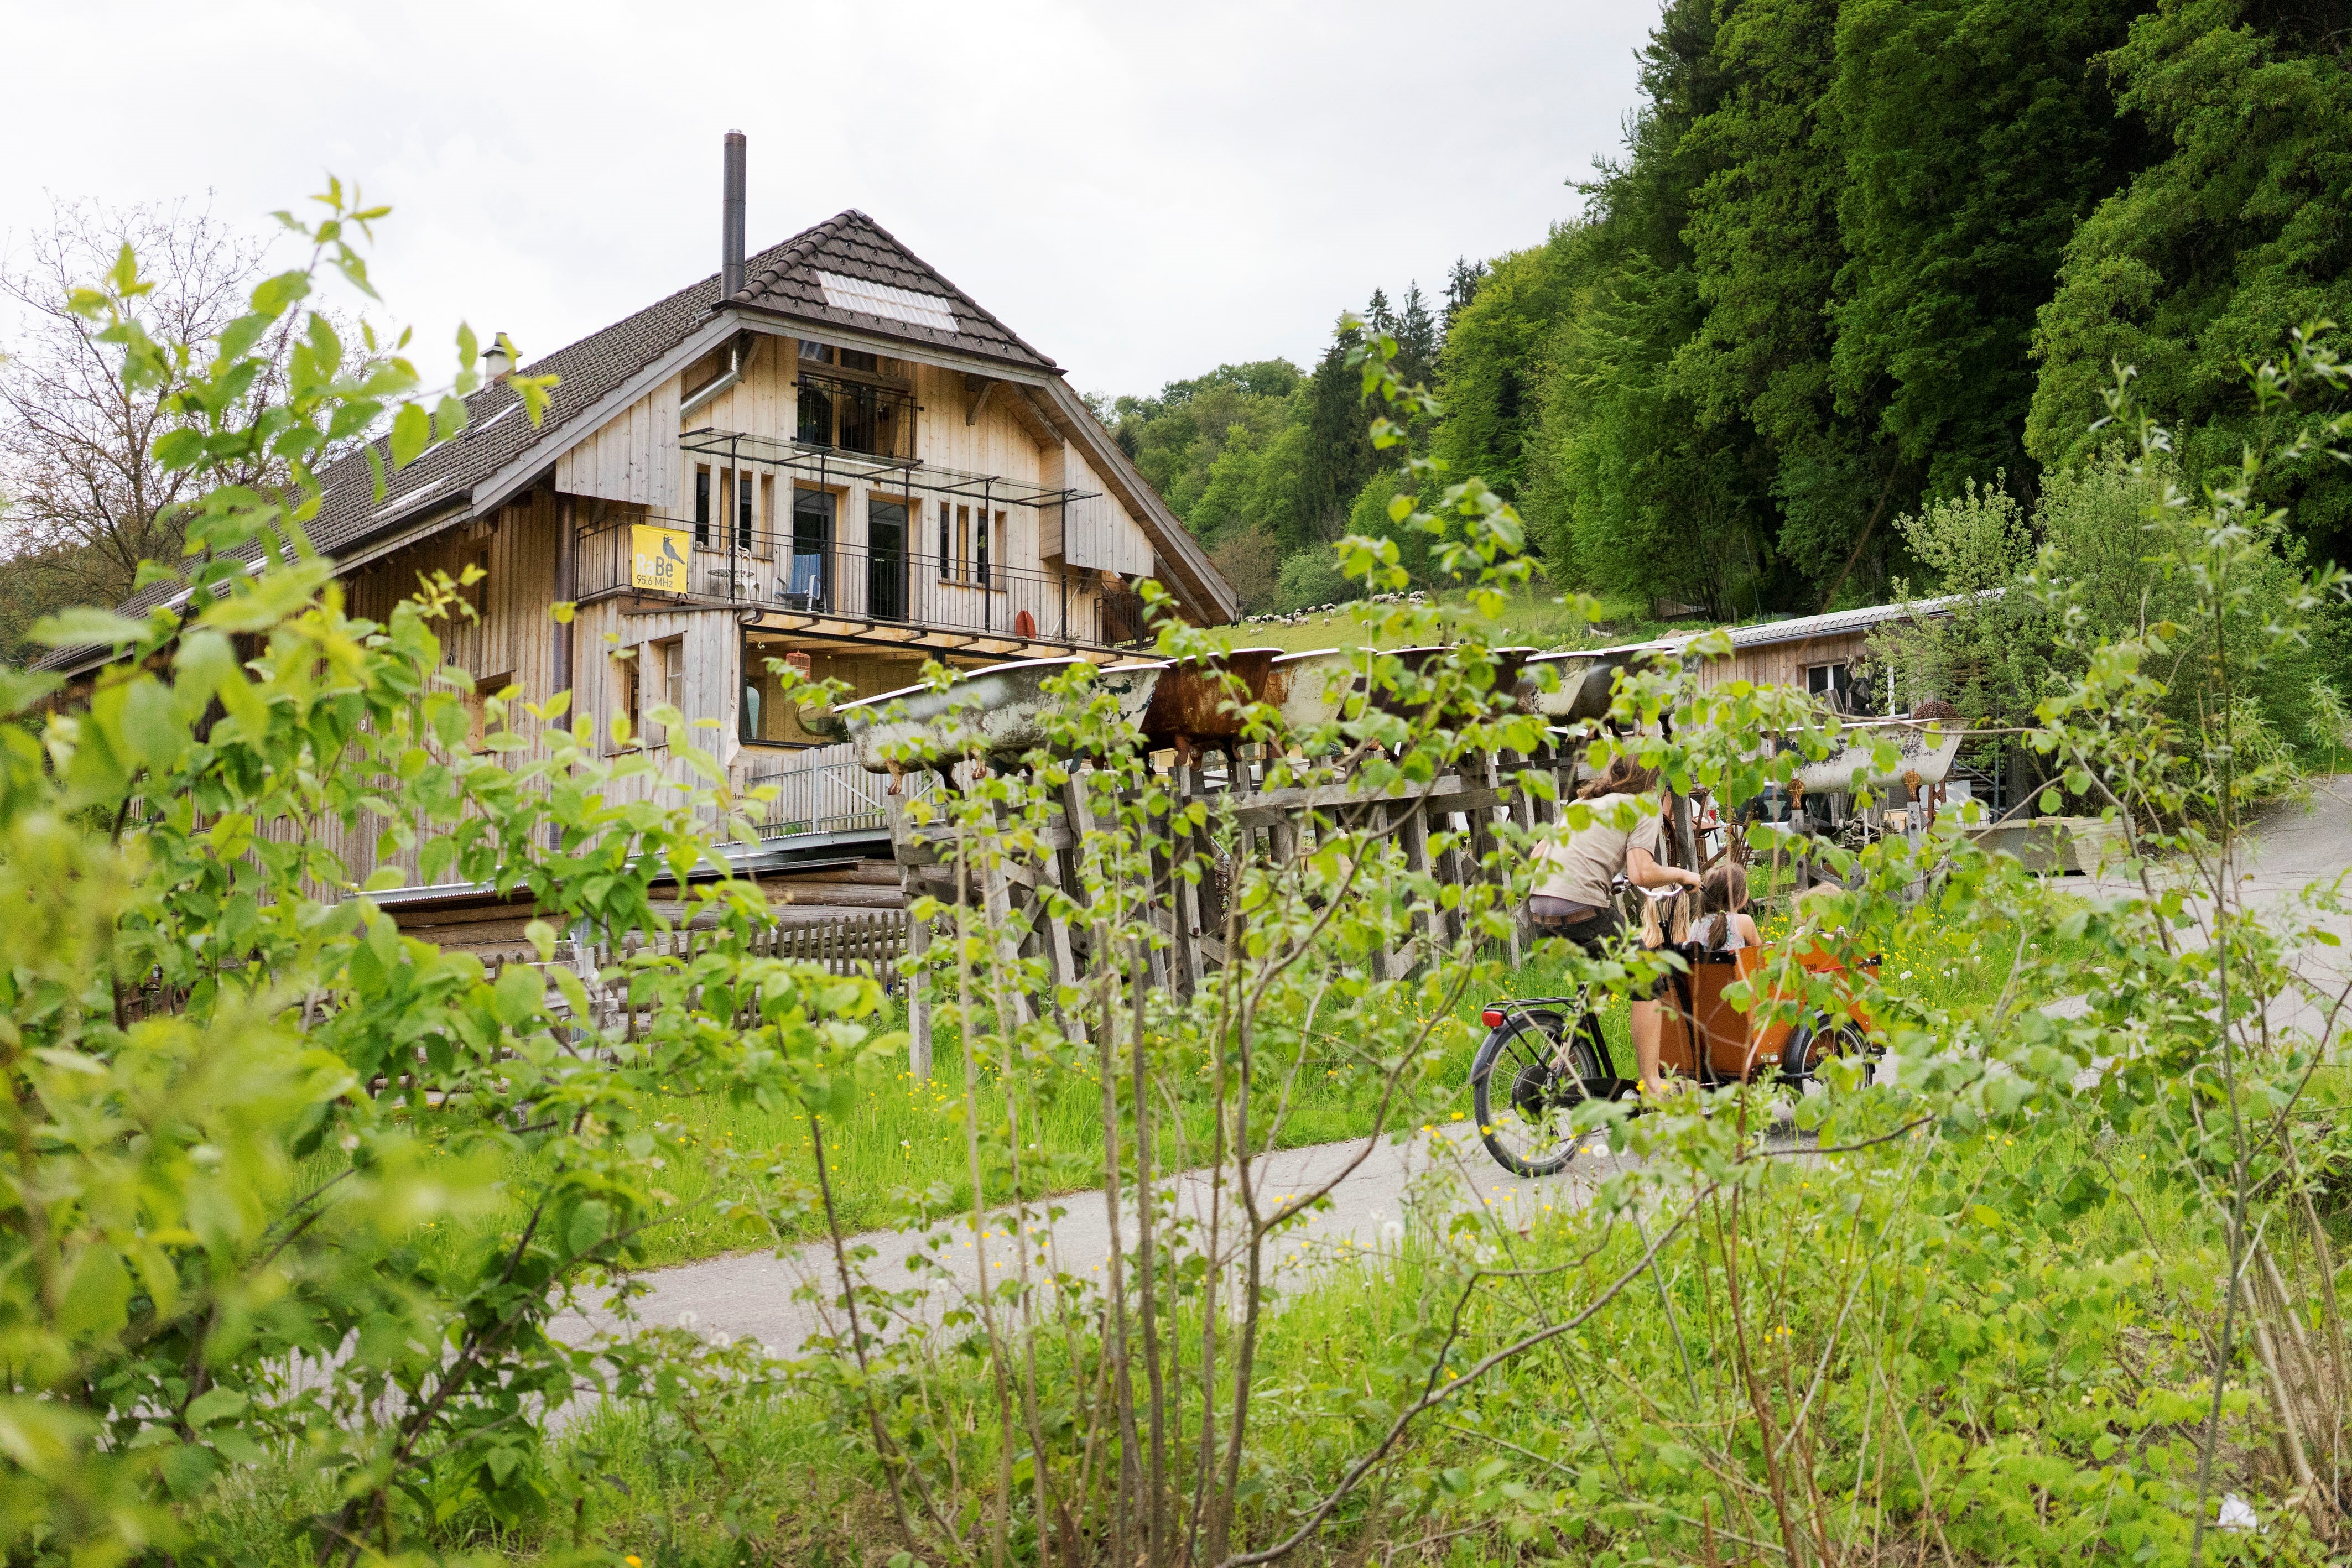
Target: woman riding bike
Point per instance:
(1572, 899)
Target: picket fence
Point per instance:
(867, 943)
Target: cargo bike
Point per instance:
(1543, 1057)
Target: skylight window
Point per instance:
(399, 503)
(474, 429)
(872, 298)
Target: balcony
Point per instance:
(860, 595)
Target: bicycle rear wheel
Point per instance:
(1812, 1047)
(1525, 1082)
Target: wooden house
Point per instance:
(824, 453)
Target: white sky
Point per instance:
(1142, 191)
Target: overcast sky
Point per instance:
(1142, 191)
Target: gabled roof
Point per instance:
(846, 272)
(850, 271)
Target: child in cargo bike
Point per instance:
(1724, 924)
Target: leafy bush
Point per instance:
(240, 1102)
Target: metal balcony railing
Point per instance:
(803, 577)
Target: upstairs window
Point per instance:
(702, 506)
(816, 412)
(855, 415)
(627, 691)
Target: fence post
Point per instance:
(918, 942)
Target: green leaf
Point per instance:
(152, 724)
(216, 1405)
(97, 1297)
(411, 432)
(235, 1445)
(238, 338)
(85, 625)
(353, 417)
(182, 448)
(589, 1223)
(188, 1468)
(275, 294)
(533, 390)
(20, 689)
(516, 998)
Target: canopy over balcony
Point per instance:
(841, 465)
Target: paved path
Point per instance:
(758, 1294)
(2292, 848)
(755, 1295)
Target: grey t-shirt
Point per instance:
(1580, 867)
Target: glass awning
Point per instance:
(835, 465)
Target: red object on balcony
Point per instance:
(1025, 624)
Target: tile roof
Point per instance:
(854, 250)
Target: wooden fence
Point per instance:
(867, 942)
(1469, 801)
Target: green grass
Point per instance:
(902, 1146)
(770, 1476)
(2036, 1379)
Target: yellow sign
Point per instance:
(658, 557)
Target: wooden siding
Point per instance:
(997, 439)
(510, 640)
(1784, 663)
(1099, 533)
(632, 457)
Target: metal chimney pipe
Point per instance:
(731, 239)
